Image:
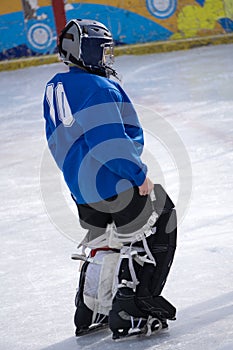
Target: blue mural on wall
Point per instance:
(31, 37)
(36, 35)
(227, 24)
(127, 27)
(32, 31)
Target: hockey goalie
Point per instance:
(96, 139)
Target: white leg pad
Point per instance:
(99, 282)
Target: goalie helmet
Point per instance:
(89, 44)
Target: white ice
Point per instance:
(191, 94)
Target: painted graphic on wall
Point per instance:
(27, 27)
(161, 9)
(39, 26)
(27, 31)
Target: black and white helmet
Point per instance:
(89, 44)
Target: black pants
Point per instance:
(128, 210)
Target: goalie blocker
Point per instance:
(122, 287)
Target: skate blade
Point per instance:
(94, 328)
(139, 334)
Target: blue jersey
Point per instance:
(94, 135)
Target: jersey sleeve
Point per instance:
(49, 125)
(132, 126)
(131, 122)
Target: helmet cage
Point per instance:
(96, 52)
(108, 54)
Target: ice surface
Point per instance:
(189, 93)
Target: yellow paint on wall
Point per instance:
(218, 29)
(44, 3)
(194, 19)
(139, 7)
(228, 5)
(7, 6)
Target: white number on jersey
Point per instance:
(63, 109)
